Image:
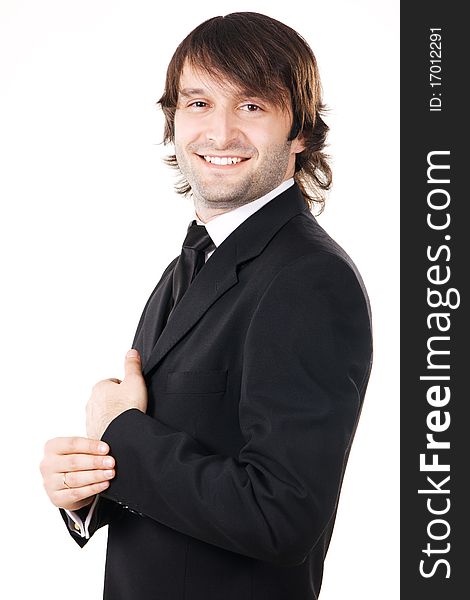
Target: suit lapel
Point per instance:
(154, 316)
(220, 272)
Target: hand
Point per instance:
(111, 397)
(74, 470)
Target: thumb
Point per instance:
(132, 364)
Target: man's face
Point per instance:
(215, 123)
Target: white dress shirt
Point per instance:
(219, 228)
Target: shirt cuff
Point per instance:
(77, 524)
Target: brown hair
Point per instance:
(266, 58)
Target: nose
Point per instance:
(222, 127)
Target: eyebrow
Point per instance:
(191, 92)
(188, 92)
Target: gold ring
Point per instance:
(65, 483)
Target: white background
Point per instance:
(89, 220)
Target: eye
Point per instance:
(251, 107)
(198, 104)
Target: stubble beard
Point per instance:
(269, 173)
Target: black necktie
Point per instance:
(191, 260)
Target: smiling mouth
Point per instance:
(222, 161)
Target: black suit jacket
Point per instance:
(227, 488)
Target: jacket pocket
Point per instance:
(196, 382)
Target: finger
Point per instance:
(80, 462)
(79, 479)
(75, 445)
(71, 496)
(132, 363)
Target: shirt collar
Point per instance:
(221, 226)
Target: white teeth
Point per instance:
(222, 160)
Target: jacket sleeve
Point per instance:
(306, 362)
(87, 520)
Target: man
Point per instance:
(223, 450)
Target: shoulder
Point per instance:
(310, 261)
(315, 305)
(317, 282)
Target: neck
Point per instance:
(207, 214)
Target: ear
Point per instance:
(298, 144)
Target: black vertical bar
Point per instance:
(435, 269)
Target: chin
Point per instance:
(219, 200)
